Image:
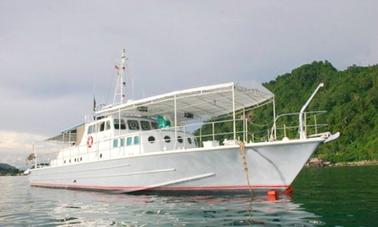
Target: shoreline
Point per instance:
(316, 162)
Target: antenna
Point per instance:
(120, 87)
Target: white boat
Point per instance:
(131, 146)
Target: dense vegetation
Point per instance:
(9, 170)
(350, 98)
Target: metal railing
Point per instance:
(220, 131)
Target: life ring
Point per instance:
(90, 141)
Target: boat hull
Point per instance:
(270, 165)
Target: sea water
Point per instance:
(339, 196)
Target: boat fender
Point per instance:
(90, 141)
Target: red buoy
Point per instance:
(272, 195)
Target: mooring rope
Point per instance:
(243, 155)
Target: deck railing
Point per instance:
(219, 131)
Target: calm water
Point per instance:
(324, 197)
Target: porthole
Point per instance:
(179, 139)
(167, 139)
(190, 140)
(151, 139)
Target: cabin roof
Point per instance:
(199, 103)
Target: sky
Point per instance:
(55, 56)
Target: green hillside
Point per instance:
(6, 169)
(350, 98)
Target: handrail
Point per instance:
(243, 130)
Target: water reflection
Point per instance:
(25, 206)
(65, 207)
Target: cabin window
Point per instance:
(145, 125)
(133, 124)
(151, 139)
(108, 125)
(116, 124)
(122, 142)
(90, 129)
(190, 140)
(136, 140)
(154, 125)
(129, 141)
(102, 126)
(115, 143)
(64, 161)
(179, 139)
(167, 139)
(100, 155)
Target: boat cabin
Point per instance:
(114, 136)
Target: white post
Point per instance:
(246, 130)
(200, 139)
(233, 111)
(305, 122)
(213, 129)
(175, 115)
(274, 120)
(244, 127)
(302, 132)
(315, 124)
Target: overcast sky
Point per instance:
(55, 55)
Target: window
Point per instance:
(102, 126)
(100, 155)
(190, 140)
(64, 161)
(81, 158)
(115, 143)
(107, 125)
(145, 125)
(116, 124)
(136, 140)
(129, 141)
(122, 140)
(151, 139)
(133, 124)
(179, 139)
(154, 125)
(167, 139)
(90, 129)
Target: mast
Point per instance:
(120, 87)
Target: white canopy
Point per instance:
(196, 103)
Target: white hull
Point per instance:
(270, 165)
